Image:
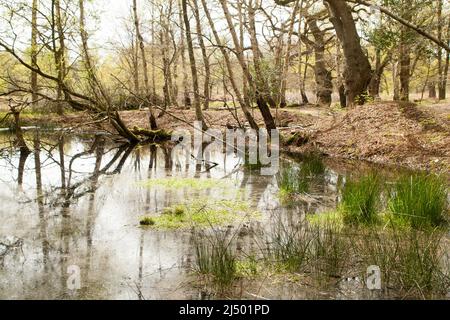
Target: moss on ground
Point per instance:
(201, 214)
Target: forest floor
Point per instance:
(413, 136)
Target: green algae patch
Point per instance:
(202, 214)
(190, 183)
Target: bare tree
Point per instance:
(206, 85)
(34, 52)
(148, 92)
(197, 106)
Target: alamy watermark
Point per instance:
(373, 281)
(254, 147)
(74, 279)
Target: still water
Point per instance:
(76, 201)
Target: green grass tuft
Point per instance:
(214, 258)
(147, 221)
(361, 200)
(419, 201)
(414, 263)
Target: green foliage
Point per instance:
(320, 251)
(361, 199)
(364, 97)
(413, 262)
(330, 252)
(202, 213)
(177, 210)
(326, 218)
(419, 200)
(382, 38)
(289, 247)
(214, 258)
(250, 267)
(147, 221)
(291, 181)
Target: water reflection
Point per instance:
(75, 200)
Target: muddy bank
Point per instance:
(386, 133)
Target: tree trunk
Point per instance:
(242, 22)
(135, 63)
(243, 101)
(284, 76)
(197, 106)
(443, 91)
(339, 79)
(358, 72)
(152, 57)
(34, 53)
(301, 76)
(441, 88)
(166, 69)
(432, 90)
(185, 81)
(396, 83)
(324, 85)
(442, 68)
(405, 68)
(260, 82)
(261, 93)
(140, 39)
(60, 53)
(375, 82)
(206, 92)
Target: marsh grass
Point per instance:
(330, 252)
(250, 267)
(326, 218)
(313, 165)
(320, 251)
(215, 259)
(361, 200)
(290, 180)
(413, 263)
(419, 200)
(289, 247)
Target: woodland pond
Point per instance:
(78, 200)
